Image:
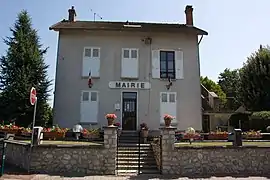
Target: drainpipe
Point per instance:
(199, 55)
(198, 51)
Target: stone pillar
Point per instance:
(110, 144)
(167, 147)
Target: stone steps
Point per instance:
(128, 153)
(135, 172)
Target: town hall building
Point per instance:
(137, 70)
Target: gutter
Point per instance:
(200, 40)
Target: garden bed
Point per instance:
(224, 143)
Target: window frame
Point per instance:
(130, 53)
(168, 97)
(89, 96)
(168, 72)
(92, 52)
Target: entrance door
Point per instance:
(129, 111)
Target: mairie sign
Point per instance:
(129, 85)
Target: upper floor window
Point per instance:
(91, 52)
(130, 53)
(167, 64)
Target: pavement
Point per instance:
(12, 173)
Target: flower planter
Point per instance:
(10, 131)
(218, 136)
(110, 121)
(167, 122)
(144, 133)
(90, 136)
(26, 133)
(253, 137)
(53, 135)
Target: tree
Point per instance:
(21, 68)
(213, 87)
(229, 82)
(255, 81)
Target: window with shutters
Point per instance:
(130, 63)
(91, 61)
(167, 64)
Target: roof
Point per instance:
(127, 26)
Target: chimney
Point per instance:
(189, 15)
(71, 14)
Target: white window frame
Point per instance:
(130, 50)
(168, 97)
(92, 48)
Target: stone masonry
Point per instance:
(188, 161)
(75, 159)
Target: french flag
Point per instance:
(90, 79)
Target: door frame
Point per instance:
(137, 110)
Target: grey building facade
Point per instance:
(139, 71)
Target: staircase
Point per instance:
(205, 99)
(128, 153)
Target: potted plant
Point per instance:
(11, 129)
(54, 133)
(168, 120)
(110, 118)
(218, 135)
(26, 132)
(90, 134)
(144, 130)
(252, 134)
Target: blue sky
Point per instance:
(236, 28)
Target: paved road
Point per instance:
(12, 173)
(141, 177)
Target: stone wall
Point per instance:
(75, 159)
(190, 161)
(156, 149)
(17, 153)
(220, 160)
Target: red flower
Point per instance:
(167, 116)
(110, 116)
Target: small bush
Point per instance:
(261, 115)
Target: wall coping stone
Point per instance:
(75, 146)
(110, 127)
(17, 142)
(222, 147)
(168, 128)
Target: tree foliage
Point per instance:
(213, 87)
(21, 68)
(229, 82)
(254, 85)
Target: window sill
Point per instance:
(93, 77)
(166, 79)
(88, 123)
(130, 78)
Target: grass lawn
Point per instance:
(65, 142)
(260, 144)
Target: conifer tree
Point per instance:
(22, 67)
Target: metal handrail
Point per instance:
(139, 156)
(160, 153)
